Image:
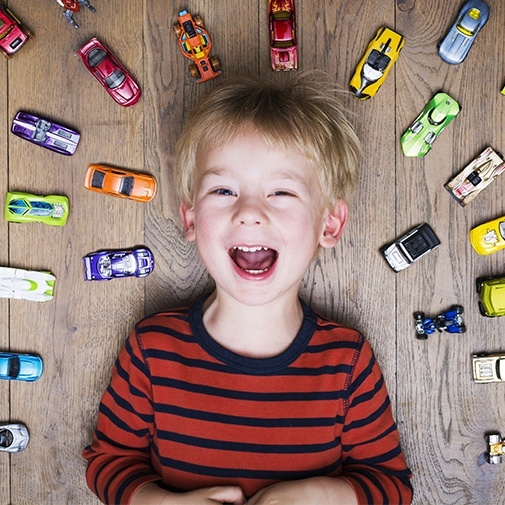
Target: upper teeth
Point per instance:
(250, 249)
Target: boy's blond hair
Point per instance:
(304, 113)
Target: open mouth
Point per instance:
(254, 260)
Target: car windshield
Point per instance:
(127, 186)
(378, 60)
(115, 79)
(96, 56)
(9, 367)
(188, 28)
(97, 179)
(41, 129)
(416, 245)
(41, 209)
(469, 23)
(6, 438)
(18, 207)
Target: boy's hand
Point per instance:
(152, 494)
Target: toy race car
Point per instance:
(13, 35)
(109, 72)
(426, 128)
(488, 367)
(20, 367)
(476, 176)
(25, 208)
(195, 44)
(495, 444)
(374, 66)
(13, 437)
(106, 265)
(45, 133)
(491, 292)
(489, 237)
(471, 19)
(283, 45)
(450, 321)
(122, 183)
(26, 284)
(409, 248)
(72, 6)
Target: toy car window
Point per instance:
(501, 227)
(416, 245)
(188, 28)
(97, 179)
(127, 186)
(115, 79)
(13, 370)
(96, 56)
(378, 61)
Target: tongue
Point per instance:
(258, 260)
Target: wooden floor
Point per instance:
(441, 413)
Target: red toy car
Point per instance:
(13, 35)
(283, 48)
(195, 44)
(109, 72)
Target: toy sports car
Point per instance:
(13, 437)
(109, 72)
(491, 292)
(13, 35)
(283, 47)
(476, 176)
(44, 133)
(450, 321)
(195, 44)
(489, 237)
(72, 6)
(495, 444)
(26, 284)
(488, 367)
(471, 18)
(374, 66)
(20, 367)
(106, 265)
(123, 183)
(426, 128)
(25, 207)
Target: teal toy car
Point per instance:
(426, 128)
(24, 207)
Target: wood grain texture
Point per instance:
(441, 414)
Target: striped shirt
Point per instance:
(185, 412)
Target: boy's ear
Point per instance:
(334, 224)
(188, 221)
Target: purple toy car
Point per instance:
(42, 132)
(106, 265)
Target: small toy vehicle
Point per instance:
(488, 367)
(25, 208)
(123, 183)
(283, 46)
(20, 367)
(450, 321)
(491, 291)
(489, 237)
(13, 437)
(374, 66)
(455, 45)
(476, 176)
(45, 133)
(426, 128)
(72, 6)
(106, 265)
(26, 284)
(195, 45)
(109, 73)
(494, 456)
(409, 248)
(13, 35)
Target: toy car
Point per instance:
(44, 133)
(195, 44)
(13, 35)
(25, 207)
(491, 291)
(106, 265)
(72, 6)
(455, 45)
(409, 248)
(13, 437)
(123, 183)
(282, 23)
(109, 73)
(20, 367)
(489, 237)
(450, 321)
(374, 66)
(476, 176)
(494, 454)
(26, 284)
(488, 367)
(426, 128)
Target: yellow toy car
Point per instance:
(377, 61)
(489, 237)
(491, 293)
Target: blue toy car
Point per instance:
(450, 321)
(21, 367)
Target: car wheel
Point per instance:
(482, 310)
(215, 63)
(177, 30)
(198, 21)
(195, 73)
(459, 309)
(421, 336)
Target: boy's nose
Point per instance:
(249, 213)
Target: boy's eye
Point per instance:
(223, 191)
(281, 192)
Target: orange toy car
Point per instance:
(195, 44)
(123, 183)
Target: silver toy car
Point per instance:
(13, 437)
(488, 367)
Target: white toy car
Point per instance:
(26, 284)
(13, 437)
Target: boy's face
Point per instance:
(258, 217)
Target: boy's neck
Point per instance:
(260, 331)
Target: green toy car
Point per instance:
(491, 292)
(24, 207)
(426, 128)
